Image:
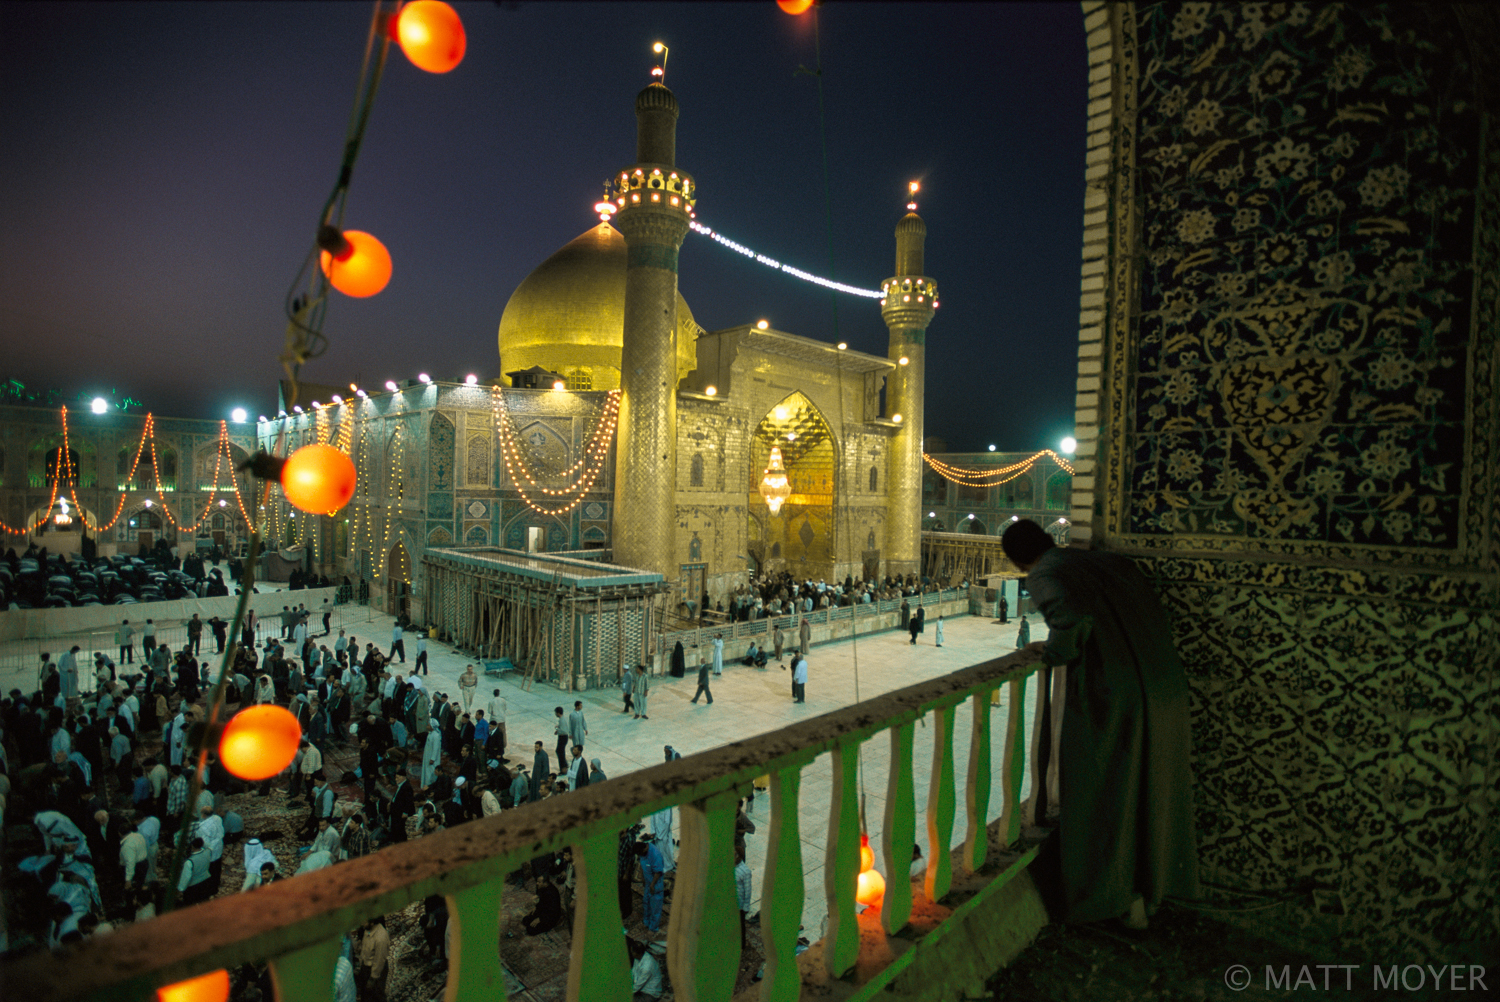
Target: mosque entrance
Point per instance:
(800, 537)
(398, 581)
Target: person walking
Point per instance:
(1004, 609)
(642, 691)
(148, 638)
(421, 667)
(1023, 635)
(467, 682)
(938, 631)
(703, 689)
(398, 646)
(578, 728)
(799, 679)
(804, 636)
(627, 685)
(718, 655)
(125, 637)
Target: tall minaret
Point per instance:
(655, 201)
(907, 308)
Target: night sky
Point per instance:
(163, 167)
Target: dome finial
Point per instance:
(659, 71)
(912, 188)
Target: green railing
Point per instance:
(298, 925)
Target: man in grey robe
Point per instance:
(1125, 839)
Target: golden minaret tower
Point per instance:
(910, 298)
(655, 200)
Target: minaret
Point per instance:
(910, 298)
(655, 202)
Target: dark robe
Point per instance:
(679, 661)
(1126, 789)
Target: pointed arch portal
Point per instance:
(800, 537)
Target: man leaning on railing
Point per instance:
(1125, 839)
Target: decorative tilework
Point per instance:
(1296, 437)
(440, 438)
(1307, 187)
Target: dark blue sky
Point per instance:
(163, 167)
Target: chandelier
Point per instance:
(773, 486)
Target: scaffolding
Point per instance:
(572, 623)
(958, 556)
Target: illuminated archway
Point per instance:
(800, 537)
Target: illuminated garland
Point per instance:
(772, 263)
(588, 467)
(969, 476)
(66, 472)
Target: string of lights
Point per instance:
(591, 450)
(589, 466)
(992, 476)
(65, 474)
(698, 227)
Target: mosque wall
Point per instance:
(114, 486)
(1287, 414)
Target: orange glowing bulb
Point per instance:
(211, 987)
(431, 35)
(794, 7)
(870, 888)
(318, 478)
(866, 854)
(363, 269)
(259, 741)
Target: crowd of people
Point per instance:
(781, 594)
(106, 777)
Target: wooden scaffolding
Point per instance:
(959, 556)
(573, 623)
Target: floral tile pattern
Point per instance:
(1306, 176)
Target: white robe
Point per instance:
(432, 753)
(661, 829)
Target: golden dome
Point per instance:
(568, 316)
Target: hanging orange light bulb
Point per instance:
(318, 478)
(774, 487)
(431, 34)
(794, 7)
(210, 987)
(870, 887)
(356, 263)
(259, 741)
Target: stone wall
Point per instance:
(1287, 414)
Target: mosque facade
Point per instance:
(621, 424)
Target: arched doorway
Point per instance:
(800, 537)
(398, 581)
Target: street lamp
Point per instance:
(238, 415)
(1069, 444)
(99, 405)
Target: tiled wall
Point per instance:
(1287, 413)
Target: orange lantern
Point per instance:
(794, 7)
(870, 887)
(431, 35)
(211, 987)
(358, 265)
(259, 741)
(318, 478)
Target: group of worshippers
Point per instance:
(781, 594)
(101, 807)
